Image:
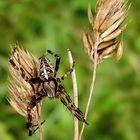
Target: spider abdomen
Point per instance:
(50, 88)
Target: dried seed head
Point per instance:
(22, 66)
(107, 26)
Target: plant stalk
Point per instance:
(39, 124)
(75, 95)
(95, 63)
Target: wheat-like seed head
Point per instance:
(107, 26)
(20, 91)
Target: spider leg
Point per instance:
(36, 125)
(68, 73)
(34, 80)
(66, 100)
(34, 101)
(23, 72)
(29, 117)
(57, 57)
(20, 68)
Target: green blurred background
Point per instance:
(58, 25)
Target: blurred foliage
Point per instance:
(57, 25)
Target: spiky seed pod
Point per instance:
(22, 66)
(107, 26)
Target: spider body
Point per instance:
(46, 69)
(47, 84)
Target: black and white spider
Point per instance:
(47, 84)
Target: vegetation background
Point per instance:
(58, 25)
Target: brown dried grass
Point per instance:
(107, 27)
(20, 91)
(108, 24)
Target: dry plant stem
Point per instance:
(39, 124)
(92, 83)
(75, 95)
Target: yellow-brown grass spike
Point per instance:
(22, 66)
(108, 25)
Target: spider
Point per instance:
(47, 84)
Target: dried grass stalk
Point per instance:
(22, 66)
(107, 27)
(75, 95)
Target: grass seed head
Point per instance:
(107, 26)
(22, 66)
